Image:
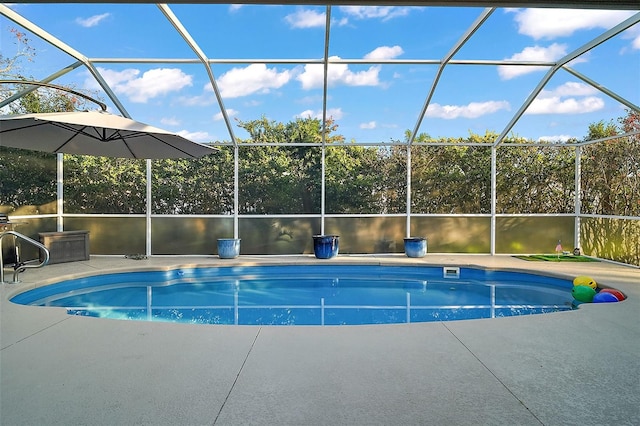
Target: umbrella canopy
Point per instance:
(96, 133)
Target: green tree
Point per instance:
(11, 67)
(27, 181)
(104, 185)
(36, 186)
(394, 175)
(611, 169)
(535, 179)
(611, 186)
(43, 99)
(355, 180)
(452, 178)
(202, 186)
(283, 179)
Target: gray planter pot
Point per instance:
(228, 248)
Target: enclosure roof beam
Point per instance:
(562, 62)
(173, 19)
(54, 41)
(609, 138)
(325, 80)
(334, 60)
(603, 89)
(45, 80)
(561, 4)
(443, 63)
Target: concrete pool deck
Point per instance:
(567, 368)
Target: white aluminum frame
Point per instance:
(82, 60)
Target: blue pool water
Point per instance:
(307, 295)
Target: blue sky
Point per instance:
(370, 102)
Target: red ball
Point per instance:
(617, 293)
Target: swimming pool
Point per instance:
(307, 295)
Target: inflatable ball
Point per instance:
(583, 293)
(617, 293)
(585, 281)
(604, 298)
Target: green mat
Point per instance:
(556, 258)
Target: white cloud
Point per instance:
(311, 99)
(633, 34)
(556, 138)
(230, 112)
(307, 113)
(255, 78)
(306, 18)
(572, 88)
(569, 98)
(532, 53)
(170, 121)
(369, 125)
(339, 23)
(92, 21)
(551, 23)
(204, 99)
(140, 88)
(196, 136)
(385, 52)
(375, 12)
(234, 7)
(335, 113)
(252, 103)
(472, 110)
(313, 76)
(556, 105)
(110, 76)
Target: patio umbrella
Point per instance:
(96, 133)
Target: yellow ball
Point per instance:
(584, 280)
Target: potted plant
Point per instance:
(326, 246)
(228, 248)
(415, 246)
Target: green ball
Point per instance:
(583, 293)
